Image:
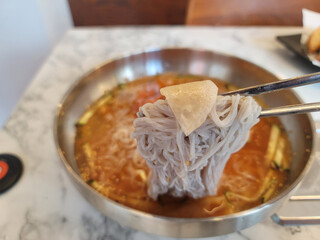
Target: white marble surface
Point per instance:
(45, 205)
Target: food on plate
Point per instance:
(314, 43)
(188, 138)
(108, 160)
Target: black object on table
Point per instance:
(10, 171)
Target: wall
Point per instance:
(28, 31)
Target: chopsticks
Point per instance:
(305, 220)
(290, 109)
(294, 221)
(280, 85)
(305, 198)
(277, 86)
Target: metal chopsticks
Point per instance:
(277, 86)
(290, 109)
(305, 220)
(289, 221)
(280, 85)
(305, 198)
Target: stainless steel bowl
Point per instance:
(228, 68)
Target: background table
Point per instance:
(45, 205)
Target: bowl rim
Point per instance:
(143, 214)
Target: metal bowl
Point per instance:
(230, 69)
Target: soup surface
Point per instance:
(108, 160)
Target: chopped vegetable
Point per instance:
(89, 153)
(269, 181)
(227, 200)
(271, 189)
(142, 174)
(89, 113)
(96, 185)
(286, 164)
(278, 156)
(272, 145)
(90, 181)
(232, 195)
(84, 118)
(87, 150)
(121, 85)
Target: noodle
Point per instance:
(192, 165)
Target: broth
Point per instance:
(108, 160)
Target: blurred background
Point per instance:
(31, 28)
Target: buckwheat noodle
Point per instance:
(192, 165)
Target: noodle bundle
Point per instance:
(190, 163)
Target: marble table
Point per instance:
(45, 205)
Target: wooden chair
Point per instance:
(248, 12)
(128, 12)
